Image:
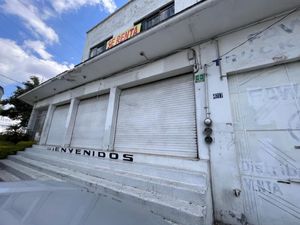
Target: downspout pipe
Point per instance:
(206, 106)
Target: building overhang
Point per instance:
(197, 24)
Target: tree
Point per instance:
(18, 110)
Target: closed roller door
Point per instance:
(266, 112)
(58, 126)
(90, 121)
(158, 118)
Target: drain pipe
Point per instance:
(206, 107)
(219, 59)
(208, 131)
(207, 121)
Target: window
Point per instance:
(98, 49)
(157, 17)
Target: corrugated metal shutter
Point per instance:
(90, 121)
(158, 118)
(58, 125)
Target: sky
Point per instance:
(45, 37)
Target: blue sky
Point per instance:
(45, 37)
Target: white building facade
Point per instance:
(133, 111)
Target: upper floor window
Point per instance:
(99, 48)
(158, 16)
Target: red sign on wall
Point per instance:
(124, 36)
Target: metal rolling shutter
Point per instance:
(58, 125)
(90, 121)
(158, 118)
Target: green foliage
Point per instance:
(9, 148)
(20, 110)
(15, 134)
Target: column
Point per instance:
(71, 121)
(111, 119)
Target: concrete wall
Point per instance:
(167, 67)
(277, 45)
(176, 64)
(181, 5)
(125, 19)
(121, 21)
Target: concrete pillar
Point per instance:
(47, 125)
(224, 163)
(111, 118)
(71, 121)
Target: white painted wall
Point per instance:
(181, 5)
(277, 45)
(125, 18)
(121, 21)
(167, 67)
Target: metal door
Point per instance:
(158, 118)
(90, 121)
(266, 112)
(58, 125)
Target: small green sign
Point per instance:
(199, 78)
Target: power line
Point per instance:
(217, 61)
(7, 77)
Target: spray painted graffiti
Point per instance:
(286, 92)
(249, 167)
(260, 185)
(276, 41)
(269, 104)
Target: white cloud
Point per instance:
(32, 18)
(65, 5)
(38, 47)
(32, 58)
(20, 65)
(110, 5)
(34, 13)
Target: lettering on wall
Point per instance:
(249, 167)
(93, 153)
(217, 95)
(286, 92)
(270, 103)
(263, 186)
